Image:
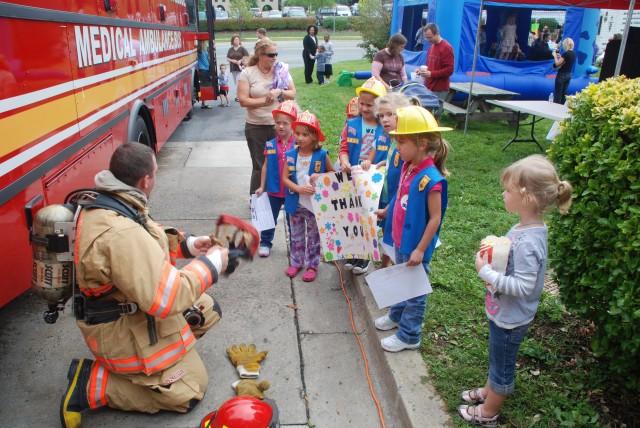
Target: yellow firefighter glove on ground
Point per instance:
(250, 388)
(246, 359)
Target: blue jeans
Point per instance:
(409, 314)
(503, 350)
(266, 236)
(561, 87)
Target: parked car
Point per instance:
(354, 9)
(323, 12)
(274, 14)
(221, 14)
(343, 10)
(256, 12)
(297, 13)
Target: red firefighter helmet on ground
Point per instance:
(240, 412)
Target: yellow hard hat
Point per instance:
(374, 86)
(416, 120)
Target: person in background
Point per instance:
(261, 87)
(321, 61)
(531, 187)
(310, 47)
(261, 34)
(304, 162)
(565, 63)
(440, 62)
(388, 63)
(540, 49)
(274, 162)
(203, 68)
(328, 67)
(508, 37)
(419, 37)
(414, 216)
(223, 81)
(516, 54)
(553, 44)
(493, 51)
(236, 55)
(482, 40)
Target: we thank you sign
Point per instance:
(344, 204)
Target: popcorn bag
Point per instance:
(497, 250)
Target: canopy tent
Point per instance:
(630, 5)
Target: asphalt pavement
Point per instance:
(316, 365)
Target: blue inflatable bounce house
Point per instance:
(458, 23)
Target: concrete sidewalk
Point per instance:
(315, 364)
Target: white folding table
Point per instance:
(541, 109)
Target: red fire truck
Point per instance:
(78, 79)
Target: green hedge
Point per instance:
(267, 23)
(596, 249)
(342, 22)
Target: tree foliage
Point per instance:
(596, 249)
(373, 23)
(240, 13)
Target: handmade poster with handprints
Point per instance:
(344, 204)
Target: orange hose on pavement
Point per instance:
(362, 351)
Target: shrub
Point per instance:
(596, 249)
(342, 22)
(267, 23)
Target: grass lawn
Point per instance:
(558, 381)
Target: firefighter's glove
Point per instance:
(250, 388)
(246, 359)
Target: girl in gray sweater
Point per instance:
(531, 185)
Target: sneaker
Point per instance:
(264, 251)
(393, 344)
(75, 398)
(361, 267)
(385, 323)
(349, 263)
(473, 415)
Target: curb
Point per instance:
(405, 374)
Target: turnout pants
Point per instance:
(177, 388)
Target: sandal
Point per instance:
(292, 271)
(473, 396)
(473, 415)
(309, 275)
(205, 106)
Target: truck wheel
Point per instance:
(141, 133)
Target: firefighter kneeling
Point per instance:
(135, 299)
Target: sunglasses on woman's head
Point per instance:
(272, 54)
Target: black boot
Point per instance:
(75, 399)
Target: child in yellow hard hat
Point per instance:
(414, 215)
(363, 142)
